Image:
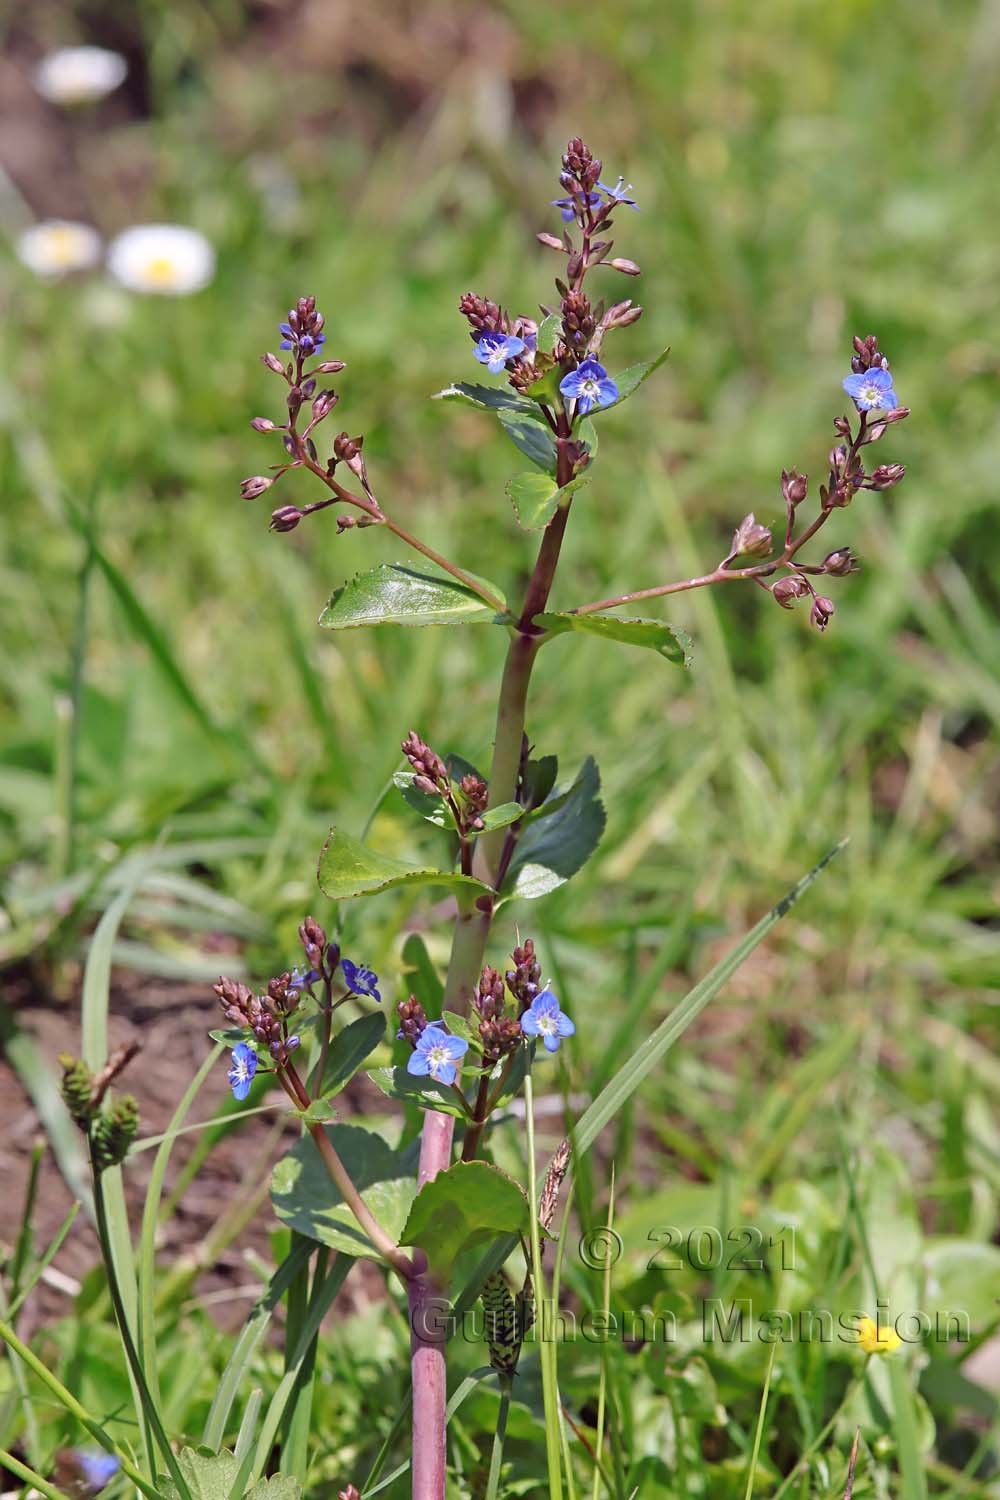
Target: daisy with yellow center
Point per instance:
(55, 247)
(163, 259)
(877, 1338)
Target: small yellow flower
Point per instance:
(877, 1338)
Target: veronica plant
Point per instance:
(473, 1040)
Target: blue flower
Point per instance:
(306, 343)
(494, 349)
(544, 1018)
(360, 981)
(303, 979)
(589, 385)
(436, 1054)
(243, 1068)
(619, 193)
(568, 206)
(871, 390)
(98, 1468)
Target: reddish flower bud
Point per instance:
(787, 590)
(262, 424)
(627, 267)
(285, 518)
(794, 486)
(821, 613)
(254, 486)
(841, 562)
(273, 363)
(885, 476)
(551, 240)
(750, 539)
(898, 414)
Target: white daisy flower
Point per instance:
(79, 75)
(166, 259)
(56, 246)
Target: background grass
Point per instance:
(805, 172)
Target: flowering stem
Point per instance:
(383, 1242)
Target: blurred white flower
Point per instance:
(56, 246)
(78, 75)
(163, 258)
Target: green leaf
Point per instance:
(349, 1049)
(530, 433)
(464, 1206)
(502, 816)
(486, 397)
(420, 974)
(962, 1274)
(318, 1112)
(305, 1198)
(229, 1036)
(548, 332)
(553, 849)
(667, 640)
(210, 1476)
(431, 808)
(398, 594)
(348, 868)
(537, 497)
(397, 1083)
(629, 381)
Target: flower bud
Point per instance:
(627, 267)
(273, 363)
(842, 426)
(285, 518)
(885, 476)
(837, 457)
(898, 414)
(750, 539)
(622, 314)
(551, 240)
(262, 424)
(308, 389)
(324, 404)
(329, 367)
(840, 563)
(254, 486)
(821, 613)
(794, 486)
(787, 590)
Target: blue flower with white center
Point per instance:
(359, 980)
(568, 206)
(619, 193)
(494, 349)
(244, 1066)
(302, 979)
(437, 1054)
(871, 390)
(544, 1018)
(98, 1468)
(589, 385)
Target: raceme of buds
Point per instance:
(794, 486)
(499, 1038)
(489, 998)
(431, 772)
(524, 979)
(412, 1020)
(750, 539)
(787, 590)
(313, 940)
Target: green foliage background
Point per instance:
(805, 172)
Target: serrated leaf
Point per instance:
(348, 868)
(502, 816)
(462, 1207)
(486, 397)
(305, 1197)
(397, 1083)
(211, 1476)
(537, 497)
(552, 849)
(530, 433)
(398, 594)
(668, 641)
(349, 1049)
(629, 381)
